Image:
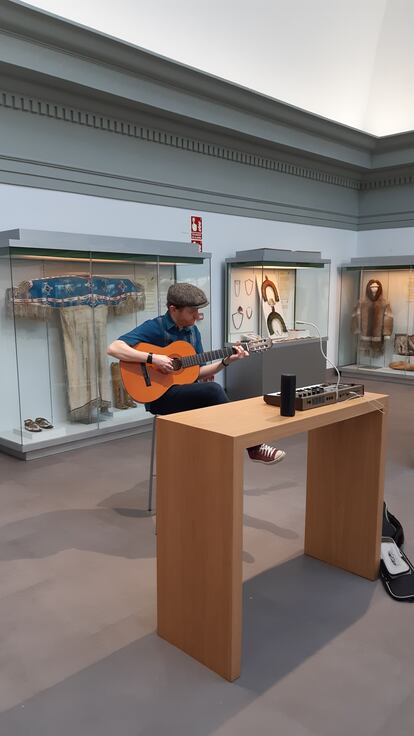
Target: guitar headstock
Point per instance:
(258, 345)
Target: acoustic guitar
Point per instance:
(145, 382)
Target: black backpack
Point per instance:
(399, 586)
(391, 527)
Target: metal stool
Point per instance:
(152, 474)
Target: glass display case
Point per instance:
(282, 295)
(63, 299)
(376, 331)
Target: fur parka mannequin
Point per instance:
(372, 319)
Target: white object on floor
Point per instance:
(391, 556)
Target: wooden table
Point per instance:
(200, 457)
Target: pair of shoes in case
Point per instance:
(37, 424)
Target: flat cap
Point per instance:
(186, 295)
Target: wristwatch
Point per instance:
(149, 358)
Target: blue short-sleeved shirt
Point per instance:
(162, 331)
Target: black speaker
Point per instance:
(287, 394)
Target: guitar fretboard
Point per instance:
(208, 357)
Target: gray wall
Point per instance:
(82, 112)
(222, 234)
(146, 164)
(149, 141)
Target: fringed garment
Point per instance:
(83, 304)
(372, 319)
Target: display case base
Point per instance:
(58, 443)
(377, 374)
(260, 374)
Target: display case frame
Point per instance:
(112, 285)
(287, 286)
(376, 323)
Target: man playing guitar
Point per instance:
(183, 304)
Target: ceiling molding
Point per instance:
(68, 54)
(180, 88)
(386, 180)
(61, 72)
(48, 30)
(381, 179)
(108, 124)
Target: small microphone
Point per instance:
(287, 394)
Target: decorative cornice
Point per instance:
(42, 28)
(38, 45)
(33, 170)
(109, 124)
(386, 181)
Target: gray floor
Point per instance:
(325, 653)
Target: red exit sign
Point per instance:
(197, 231)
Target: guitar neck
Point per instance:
(208, 357)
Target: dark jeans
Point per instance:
(190, 396)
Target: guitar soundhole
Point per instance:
(177, 365)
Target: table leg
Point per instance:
(345, 486)
(199, 544)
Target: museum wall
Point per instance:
(223, 234)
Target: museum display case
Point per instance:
(376, 330)
(63, 298)
(282, 295)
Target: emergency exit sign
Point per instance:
(197, 231)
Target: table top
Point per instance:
(242, 419)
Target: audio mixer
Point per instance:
(320, 394)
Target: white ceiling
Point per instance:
(348, 60)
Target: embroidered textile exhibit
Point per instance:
(82, 304)
(37, 298)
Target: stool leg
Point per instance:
(151, 478)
